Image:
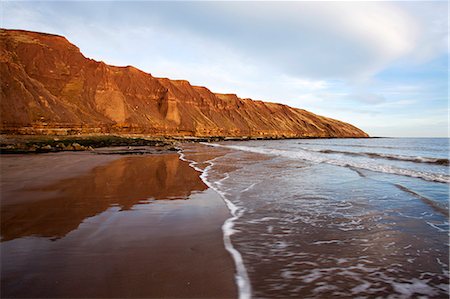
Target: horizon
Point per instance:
(396, 89)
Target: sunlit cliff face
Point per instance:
(51, 88)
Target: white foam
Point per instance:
(414, 286)
(327, 242)
(242, 280)
(249, 188)
(417, 159)
(436, 227)
(192, 164)
(319, 158)
(441, 263)
(325, 288)
(361, 288)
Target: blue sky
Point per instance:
(382, 66)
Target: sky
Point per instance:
(382, 66)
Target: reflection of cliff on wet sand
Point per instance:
(124, 182)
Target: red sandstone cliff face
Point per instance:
(49, 87)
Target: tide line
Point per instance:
(241, 276)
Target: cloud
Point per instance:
(303, 83)
(368, 98)
(354, 61)
(432, 17)
(313, 40)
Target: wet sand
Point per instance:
(103, 226)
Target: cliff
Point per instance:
(49, 87)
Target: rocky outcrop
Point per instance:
(49, 87)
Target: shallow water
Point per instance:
(309, 218)
(338, 217)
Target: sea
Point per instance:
(326, 218)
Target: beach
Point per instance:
(292, 218)
(78, 224)
(224, 149)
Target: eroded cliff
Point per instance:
(49, 87)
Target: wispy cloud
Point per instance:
(355, 61)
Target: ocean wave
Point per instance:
(368, 146)
(417, 159)
(347, 145)
(433, 204)
(318, 158)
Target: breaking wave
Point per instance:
(418, 159)
(318, 157)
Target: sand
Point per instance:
(103, 226)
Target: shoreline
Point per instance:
(241, 276)
(34, 144)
